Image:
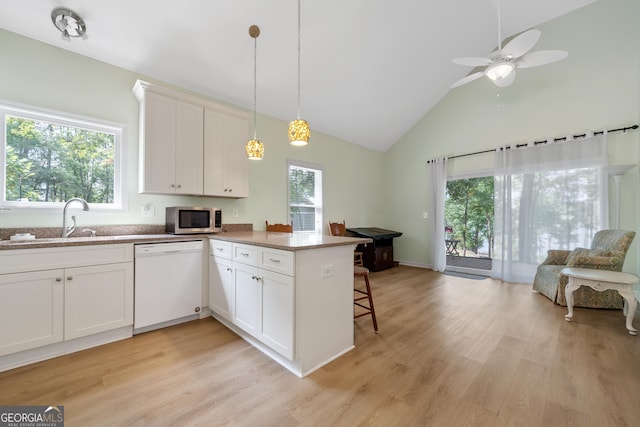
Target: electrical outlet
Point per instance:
(326, 271)
(147, 211)
(234, 213)
(425, 215)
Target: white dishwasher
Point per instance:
(168, 284)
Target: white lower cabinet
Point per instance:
(91, 292)
(296, 306)
(275, 327)
(257, 300)
(97, 299)
(221, 284)
(246, 302)
(31, 310)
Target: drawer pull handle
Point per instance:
(58, 279)
(229, 270)
(244, 254)
(274, 260)
(219, 249)
(69, 278)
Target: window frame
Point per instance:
(319, 208)
(66, 119)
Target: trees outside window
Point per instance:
(469, 214)
(305, 197)
(48, 160)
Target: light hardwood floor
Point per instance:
(450, 352)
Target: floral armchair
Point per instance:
(608, 251)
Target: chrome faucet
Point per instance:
(67, 231)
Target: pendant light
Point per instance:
(299, 129)
(254, 147)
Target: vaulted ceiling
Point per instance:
(370, 69)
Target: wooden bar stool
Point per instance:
(364, 272)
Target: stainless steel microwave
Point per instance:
(193, 220)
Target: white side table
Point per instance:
(601, 280)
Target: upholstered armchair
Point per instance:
(608, 251)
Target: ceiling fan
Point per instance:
(502, 62)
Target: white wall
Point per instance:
(596, 87)
(44, 76)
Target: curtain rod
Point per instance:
(564, 138)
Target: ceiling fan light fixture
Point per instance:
(499, 71)
(69, 23)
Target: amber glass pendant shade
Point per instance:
(299, 132)
(255, 149)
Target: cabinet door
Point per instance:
(31, 310)
(189, 151)
(97, 299)
(213, 153)
(221, 280)
(236, 164)
(277, 312)
(226, 168)
(158, 144)
(246, 298)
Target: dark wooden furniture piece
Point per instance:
(281, 228)
(379, 255)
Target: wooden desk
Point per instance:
(601, 280)
(379, 255)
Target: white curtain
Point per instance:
(438, 174)
(551, 196)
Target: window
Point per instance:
(48, 158)
(305, 197)
(469, 221)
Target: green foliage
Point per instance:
(48, 162)
(302, 194)
(469, 211)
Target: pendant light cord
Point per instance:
(255, 84)
(298, 59)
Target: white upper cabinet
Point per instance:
(189, 145)
(226, 168)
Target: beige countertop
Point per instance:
(98, 240)
(284, 241)
(49, 237)
(287, 241)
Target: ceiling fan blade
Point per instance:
(472, 61)
(521, 44)
(469, 78)
(541, 57)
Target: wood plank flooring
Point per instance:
(450, 352)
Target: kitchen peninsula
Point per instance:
(289, 295)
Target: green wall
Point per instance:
(44, 76)
(596, 87)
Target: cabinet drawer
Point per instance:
(277, 260)
(221, 249)
(20, 260)
(245, 254)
